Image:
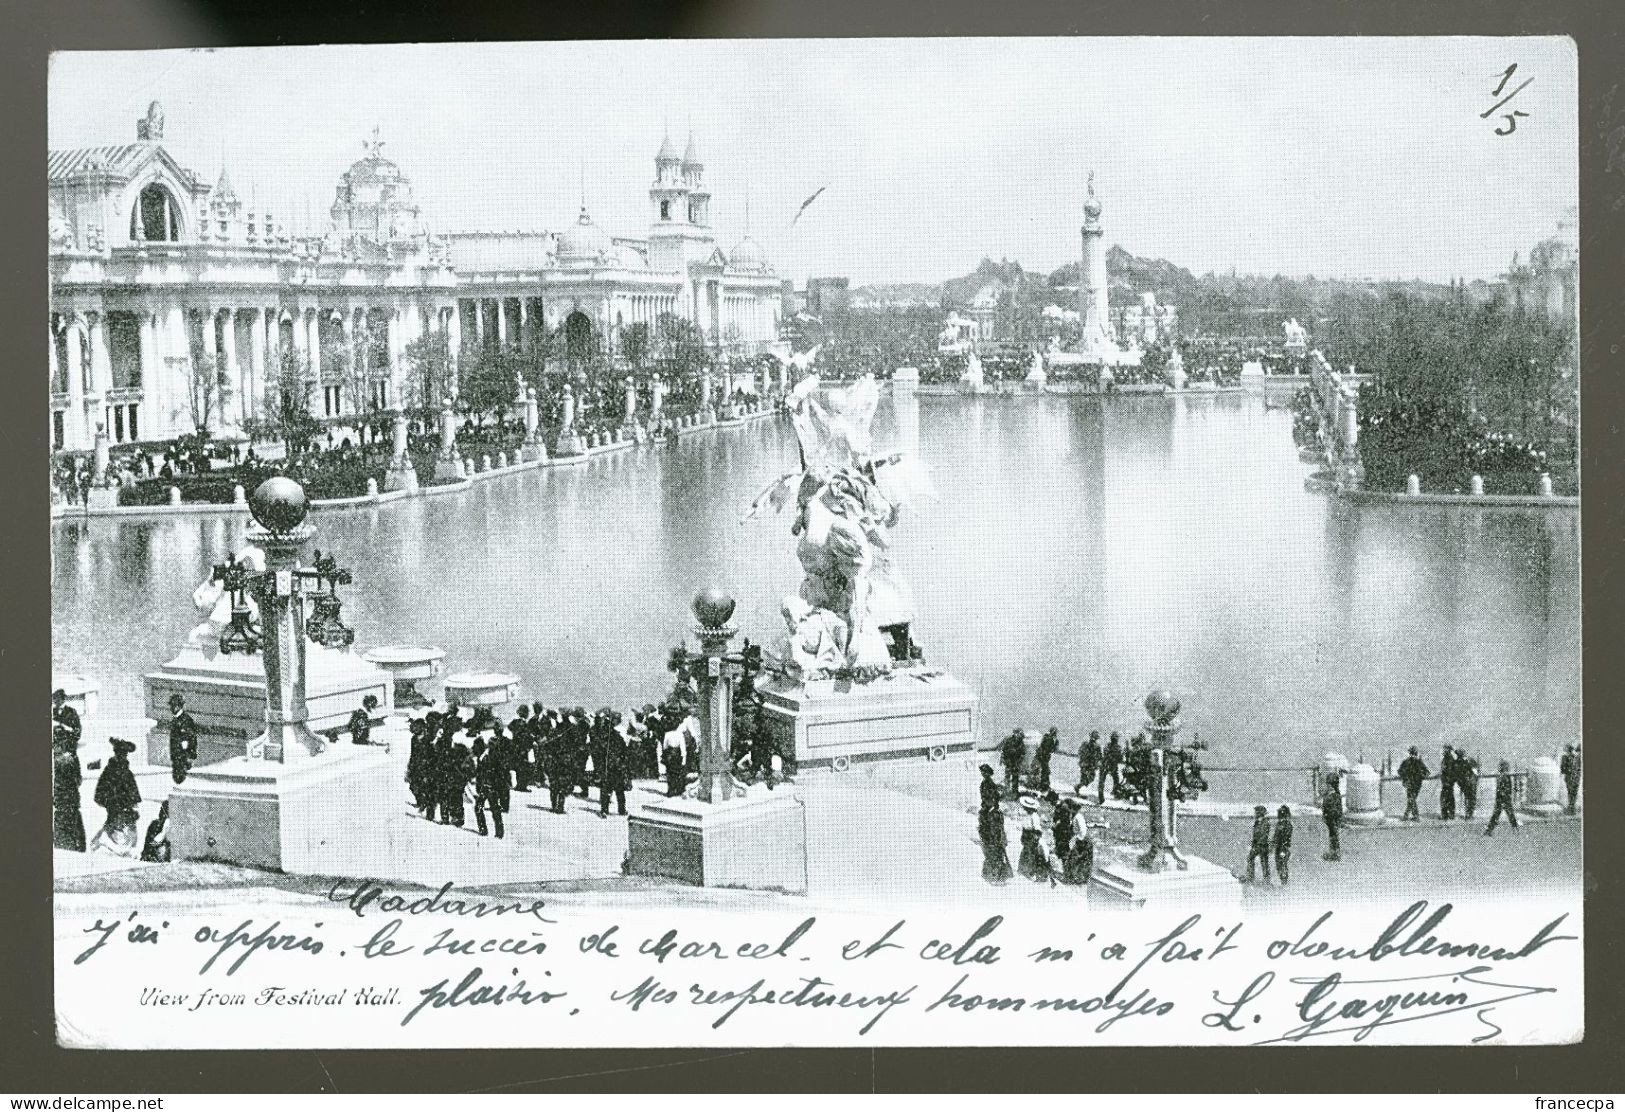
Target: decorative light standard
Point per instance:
(1166, 782)
(715, 680)
(279, 508)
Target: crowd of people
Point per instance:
(456, 761)
(1129, 769)
(1458, 785)
(1056, 847)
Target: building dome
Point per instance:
(585, 242)
(748, 255)
(374, 198)
(630, 258)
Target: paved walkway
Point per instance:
(869, 839)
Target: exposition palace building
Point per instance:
(154, 273)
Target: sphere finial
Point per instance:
(1162, 705)
(279, 504)
(713, 608)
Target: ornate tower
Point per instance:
(699, 198)
(668, 196)
(1093, 307)
(680, 234)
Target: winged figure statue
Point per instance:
(852, 614)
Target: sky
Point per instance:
(1359, 158)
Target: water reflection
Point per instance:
(1081, 553)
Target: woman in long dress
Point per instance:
(995, 845)
(117, 794)
(1078, 864)
(67, 823)
(1034, 863)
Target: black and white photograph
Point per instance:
(816, 543)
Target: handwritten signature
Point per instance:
(1330, 1007)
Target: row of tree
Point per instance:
(488, 378)
(1460, 389)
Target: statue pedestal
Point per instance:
(570, 445)
(102, 498)
(225, 694)
(533, 451)
(448, 470)
(408, 665)
(402, 476)
(1118, 881)
(757, 840)
(481, 689)
(834, 724)
(294, 818)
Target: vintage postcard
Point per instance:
(817, 543)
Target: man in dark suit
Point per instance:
(1112, 767)
(520, 740)
(490, 785)
(1569, 766)
(609, 759)
(557, 762)
(1089, 760)
(1467, 780)
(1331, 813)
(1503, 799)
(1447, 783)
(182, 739)
(1013, 754)
(1412, 772)
(500, 752)
(1047, 745)
(458, 771)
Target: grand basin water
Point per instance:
(1082, 552)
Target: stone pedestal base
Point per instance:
(403, 477)
(834, 724)
(102, 498)
(1118, 881)
(225, 694)
(570, 446)
(288, 817)
(758, 840)
(1364, 818)
(533, 451)
(408, 666)
(481, 689)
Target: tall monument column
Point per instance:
(1094, 309)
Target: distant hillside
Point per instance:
(1227, 302)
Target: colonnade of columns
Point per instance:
(497, 320)
(164, 398)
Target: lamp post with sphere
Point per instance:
(1162, 708)
(278, 506)
(716, 679)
